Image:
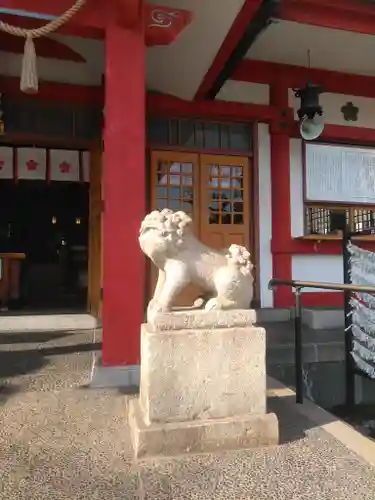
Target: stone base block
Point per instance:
(202, 373)
(200, 436)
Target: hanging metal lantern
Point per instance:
(310, 112)
(309, 96)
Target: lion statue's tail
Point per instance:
(240, 257)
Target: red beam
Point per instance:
(234, 35)
(45, 47)
(51, 91)
(91, 18)
(162, 25)
(299, 246)
(94, 13)
(296, 76)
(130, 12)
(71, 29)
(344, 15)
(322, 299)
(170, 106)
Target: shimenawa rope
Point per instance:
(29, 75)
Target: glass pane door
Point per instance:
(225, 200)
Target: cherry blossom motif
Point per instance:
(2, 164)
(31, 165)
(65, 168)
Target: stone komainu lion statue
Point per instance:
(166, 237)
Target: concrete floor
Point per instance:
(61, 440)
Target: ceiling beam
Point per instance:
(92, 15)
(164, 105)
(162, 24)
(291, 76)
(346, 15)
(251, 20)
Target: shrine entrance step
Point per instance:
(46, 322)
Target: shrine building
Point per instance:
(194, 105)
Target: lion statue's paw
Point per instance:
(212, 304)
(154, 308)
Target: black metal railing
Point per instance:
(298, 347)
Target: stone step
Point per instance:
(322, 345)
(46, 322)
(318, 319)
(272, 315)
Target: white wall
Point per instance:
(245, 92)
(296, 187)
(179, 68)
(332, 104)
(265, 215)
(307, 267)
(317, 268)
(55, 70)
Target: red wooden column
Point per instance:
(280, 189)
(124, 194)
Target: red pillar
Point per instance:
(124, 195)
(280, 189)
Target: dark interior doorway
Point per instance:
(48, 222)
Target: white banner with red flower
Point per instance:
(86, 166)
(6, 163)
(31, 163)
(64, 165)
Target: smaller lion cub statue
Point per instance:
(166, 237)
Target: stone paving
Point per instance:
(61, 440)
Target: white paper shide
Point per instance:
(362, 265)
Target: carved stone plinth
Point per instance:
(203, 387)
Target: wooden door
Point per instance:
(94, 295)
(224, 214)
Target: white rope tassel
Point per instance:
(29, 74)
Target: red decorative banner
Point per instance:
(31, 163)
(64, 165)
(6, 163)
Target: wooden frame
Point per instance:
(9, 276)
(40, 141)
(255, 208)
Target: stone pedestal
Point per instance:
(203, 385)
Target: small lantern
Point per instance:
(310, 112)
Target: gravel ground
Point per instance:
(60, 439)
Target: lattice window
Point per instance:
(175, 186)
(52, 119)
(226, 194)
(323, 219)
(362, 219)
(195, 134)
